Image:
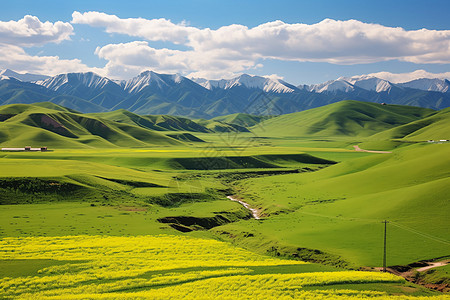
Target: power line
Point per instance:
(340, 217)
(426, 235)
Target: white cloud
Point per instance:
(152, 30)
(405, 77)
(236, 48)
(274, 77)
(30, 31)
(128, 59)
(339, 42)
(15, 58)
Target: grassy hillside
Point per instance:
(219, 126)
(54, 126)
(434, 127)
(345, 118)
(245, 120)
(160, 123)
(339, 209)
(170, 123)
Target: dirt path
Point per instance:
(254, 211)
(370, 151)
(410, 273)
(433, 265)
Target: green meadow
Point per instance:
(318, 200)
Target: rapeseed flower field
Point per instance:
(168, 267)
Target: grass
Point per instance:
(327, 202)
(345, 118)
(59, 128)
(434, 127)
(340, 208)
(72, 218)
(438, 276)
(241, 119)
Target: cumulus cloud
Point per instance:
(30, 31)
(274, 77)
(15, 58)
(128, 59)
(405, 77)
(332, 41)
(152, 30)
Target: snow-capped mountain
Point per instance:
(62, 81)
(268, 85)
(150, 78)
(27, 77)
(425, 84)
(88, 86)
(332, 86)
(153, 93)
(369, 83)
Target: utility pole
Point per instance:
(384, 252)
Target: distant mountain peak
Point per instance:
(427, 84)
(332, 86)
(147, 78)
(88, 79)
(26, 77)
(370, 83)
(249, 81)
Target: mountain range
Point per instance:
(153, 93)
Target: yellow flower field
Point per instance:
(165, 267)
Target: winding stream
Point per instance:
(254, 211)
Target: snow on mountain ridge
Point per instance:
(373, 84)
(266, 84)
(249, 81)
(332, 86)
(147, 78)
(88, 79)
(26, 77)
(136, 84)
(426, 84)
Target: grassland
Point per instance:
(323, 208)
(320, 201)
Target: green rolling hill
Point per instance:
(52, 125)
(220, 126)
(241, 119)
(171, 123)
(433, 127)
(153, 122)
(345, 118)
(55, 126)
(339, 209)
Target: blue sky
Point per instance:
(308, 54)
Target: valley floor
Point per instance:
(309, 218)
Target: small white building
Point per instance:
(26, 148)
